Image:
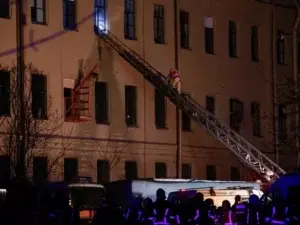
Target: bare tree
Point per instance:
(42, 126)
(110, 150)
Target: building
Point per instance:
(225, 62)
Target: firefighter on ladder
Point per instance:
(174, 79)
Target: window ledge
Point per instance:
(38, 23)
(162, 128)
(106, 123)
(189, 131)
(187, 48)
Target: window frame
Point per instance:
(130, 12)
(189, 168)
(232, 39)
(159, 23)
(35, 94)
(209, 37)
(8, 9)
(134, 121)
(207, 98)
(161, 170)
(255, 43)
(35, 8)
(280, 48)
(99, 7)
(37, 170)
(67, 15)
(106, 177)
(211, 172)
(103, 116)
(6, 91)
(129, 174)
(184, 23)
(75, 160)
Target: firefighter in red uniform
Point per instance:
(174, 79)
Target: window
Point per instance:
(70, 169)
(4, 93)
(255, 118)
(160, 109)
(280, 47)
(186, 171)
(235, 174)
(210, 104)
(236, 114)
(160, 170)
(185, 119)
(39, 96)
(282, 123)
(5, 170)
(4, 9)
(129, 20)
(69, 14)
(232, 38)
(38, 11)
(40, 169)
(159, 24)
(103, 171)
(184, 29)
(298, 55)
(131, 170)
(211, 172)
(68, 101)
(101, 103)
(101, 14)
(131, 105)
(209, 35)
(254, 43)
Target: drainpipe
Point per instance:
(295, 72)
(274, 39)
(178, 111)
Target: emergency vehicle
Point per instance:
(123, 191)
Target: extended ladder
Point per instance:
(244, 150)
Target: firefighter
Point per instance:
(147, 211)
(160, 208)
(240, 210)
(212, 211)
(253, 211)
(174, 79)
(277, 213)
(293, 205)
(199, 210)
(227, 216)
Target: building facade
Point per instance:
(226, 62)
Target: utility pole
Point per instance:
(178, 111)
(20, 79)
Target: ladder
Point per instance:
(243, 150)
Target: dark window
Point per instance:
(210, 104)
(68, 101)
(211, 172)
(298, 56)
(131, 170)
(232, 38)
(40, 169)
(282, 123)
(4, 9)
(160, 109)
(4, 93)
(184, 30)
(185, 119)
(69, 14)
(103, 171)
(70, 169)
(236, 108)
(160, 170)
(186, 171)
(5, 170)
(254, 43)
(209, 35)
(159, 24)
(280, 47)
(39, 96)
(129, 20)
(101, 102)
(255, 118)
(101, 14)
(131, 105)
(38, 11)
(235, 173)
